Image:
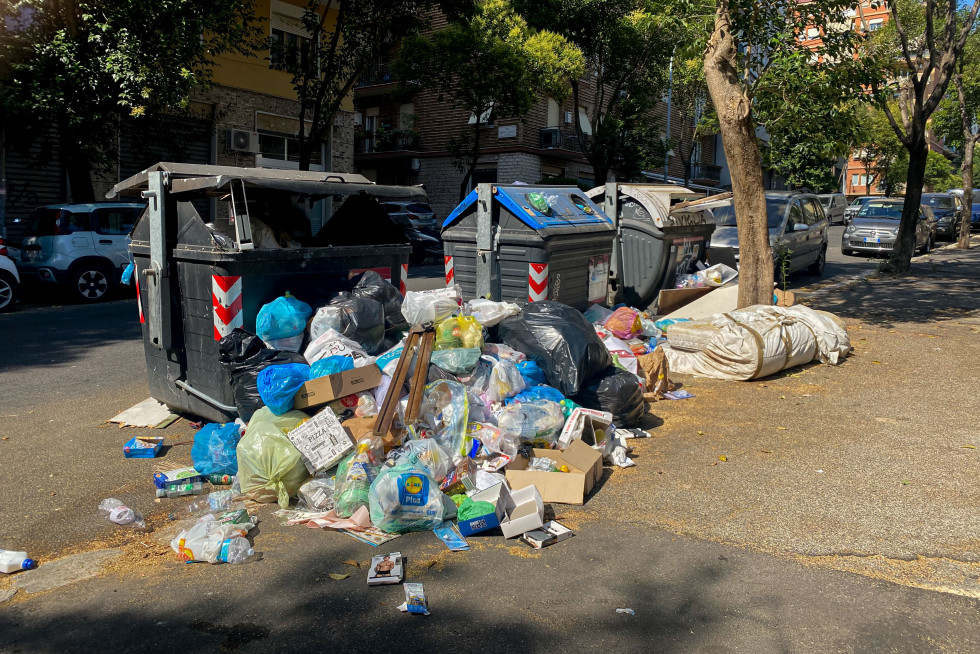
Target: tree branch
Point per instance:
(903, 37)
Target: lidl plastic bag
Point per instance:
(560, 340)
(489, 313)
(427, 455)
(354, 476)
(388, 361)
(283, 317)
(457, 361)
(270, 467)
(330, 365)
(535, 423)
(404, 499)
(624, 323)
(278, 385)
(505, 381)
(617, 392)
(421, 307)
(214, 450)
(458, 332)
(444, 412)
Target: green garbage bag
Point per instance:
(269, 466)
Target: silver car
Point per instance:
(833, 205)
(855, 206)
(875, 229)
(797, 229)
(416, 212)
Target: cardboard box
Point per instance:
(331, 387)
(322, 441)
(584, 464)
(672, 299)
(515, 512)
(550, 533)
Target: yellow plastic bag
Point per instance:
(459, 332)
(269, 466)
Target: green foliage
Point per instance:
(78, 66)
(883, 156)
(939, 173)
(489, 64)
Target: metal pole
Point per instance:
(670, 93)
(3, 183)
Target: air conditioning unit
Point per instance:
(358, 118)
(414, 164)
(550, 137)
(242, 140)
(568, 118)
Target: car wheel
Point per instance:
(926, 246)
(8, 292)
(846, 252)
(816, 268)
(91, 284)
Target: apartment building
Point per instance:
(248, 118)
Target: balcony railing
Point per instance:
(379, 73)
(709, 172)
(387, 141)
(557, 138)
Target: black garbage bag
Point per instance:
(243, 355)
(618, 392)
(560, 340)
(371, 285)
(360, 319)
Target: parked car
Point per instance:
(855, 206)
(948, 209)
(975, 213)
(875, 229)
(80, 247)
(9, 279)
(418, 212)
(833, 205)
(797, 228)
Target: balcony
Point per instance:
(377, 74)
(393, 140)
(556, 138)
(706, 173)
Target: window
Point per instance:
(812, 213)
(406, 116)
(79, 222)
(288, 50)
(44, 222)
(795, 216)
(553, 114)
(285, 148)
(116, 221)
(875, 24)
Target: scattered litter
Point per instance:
(370, 535)
(115, 511)
(678, 395)
(626, 611)
(415, 601)
(146, 447)
(148, 413)
(385, 569)
(550, 533)
(338, 576)
(449, 534)
(15, 561)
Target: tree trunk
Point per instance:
(474, 158)
(78, 169)
(967, 169)
(687, 173)
(742, 151)
(905, 246)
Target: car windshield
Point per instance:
(826, 201)
(419, 208)
(938, 201)
(890, 210)
(44, 222)
(860, 202)
(775, 208)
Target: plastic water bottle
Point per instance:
(117, 512)
(235, 550)
(16, 561)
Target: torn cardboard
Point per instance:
(585, 470)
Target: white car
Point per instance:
(9, 280)
(416, 212)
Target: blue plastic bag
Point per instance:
(127, 276)
(535, 393)
(532, 373)
(330, 365)
(283, 317)
(278, 384)
(664, 323)
(215, 449)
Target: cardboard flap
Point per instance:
(581, 456)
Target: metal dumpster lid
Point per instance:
(210, 180)
(652, 196)
(564, 210)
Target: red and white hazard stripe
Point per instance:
(537, 282)
(139, 300)
(450, 272)
(403, 284)
(226, 301)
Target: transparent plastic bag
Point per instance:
(445, 411)
(270, 467)
(283, 317)
(421, 307)
(404, 499)
(624, 323)
(427, 455)
(456, 361)
(536, 423)
(316, 494)
(505, 381)
(489, 313)
(498, 448)
(354, 476)
(215, 449)
(459, 332)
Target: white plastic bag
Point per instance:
(622, 352)
(537, 423)
(488, 313)
(505, 381)
(328, 317)
(333, 343)
(421, 307)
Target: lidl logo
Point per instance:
(413, 484)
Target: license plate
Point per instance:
(872, 240)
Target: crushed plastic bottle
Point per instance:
(15, 561)
(115, 511)
(235, 550)
(210, 540)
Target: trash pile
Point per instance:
(377, 416)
